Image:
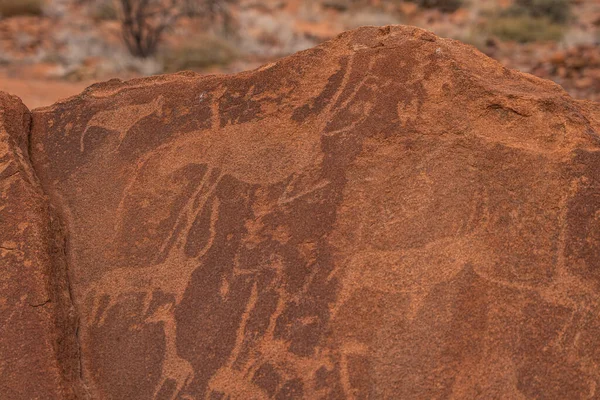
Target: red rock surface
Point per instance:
(388, 215)
(39, 356)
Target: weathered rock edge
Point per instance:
(39, 353)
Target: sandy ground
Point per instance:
(39, 93)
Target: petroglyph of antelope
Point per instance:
(122, 120)
(240, 153)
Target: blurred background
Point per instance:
(52, 49)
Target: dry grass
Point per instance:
(202, 53)
(442, 5)
(557, 11)
(524, 29)
(104, 11)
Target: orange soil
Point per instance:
(37, 93)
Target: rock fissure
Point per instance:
(69, 354)
(41, 304)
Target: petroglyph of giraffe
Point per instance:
(239, 154)
(250, 158)
(170, 277)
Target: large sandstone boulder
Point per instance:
(390, 215)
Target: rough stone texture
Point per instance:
(388, 215)
(38, 342)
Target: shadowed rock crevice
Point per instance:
(66, 318)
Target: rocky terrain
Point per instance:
(390, 214)
(69, 44)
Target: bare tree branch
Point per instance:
(144, 22)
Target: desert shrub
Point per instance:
(203, 53)
(339, 5)
(369, 17)
(442, 5)
(345, 5)
(104, 11)
(524, 29)
(557, 11)
(144, 22)
(12, 8)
